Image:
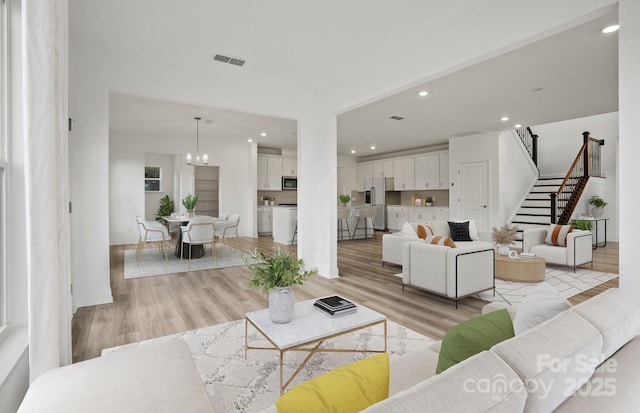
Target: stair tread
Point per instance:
(535, 207)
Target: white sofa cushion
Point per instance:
(155, 378)
(551, 253)
(554, 359)
(616, 314)
(466, 387)
(411, 368)
(541, 304)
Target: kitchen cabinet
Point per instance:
(440, 213)
(269, 173)
(363, 172)
(444, 170)
(403, 173)
(432, 171)
(396, 217)
(383, 168)
(427, 172)
(265, 220)
(289, 167)
(420, 215)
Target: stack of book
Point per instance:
(335, 306)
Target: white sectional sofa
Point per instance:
(392, 243)
(584, 359)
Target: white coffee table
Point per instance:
(308, 330)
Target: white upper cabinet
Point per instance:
(444, 170)
(289, 167)
(383, 168)
(403, 173)
(427, 172)
(432, 171)
(269, 173)
(363, 172)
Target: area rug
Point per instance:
(562, 279)
(153, 263)
(238, 385)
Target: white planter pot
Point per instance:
(503, 249)
(281, 302)
(597, 212)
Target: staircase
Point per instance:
(557, 194)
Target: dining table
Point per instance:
(197, 251)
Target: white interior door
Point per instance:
(473, 192)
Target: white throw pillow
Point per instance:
(541, 304)
(408, 231)
(473, 230)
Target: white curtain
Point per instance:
(45, 37)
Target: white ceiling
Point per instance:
(291, 41)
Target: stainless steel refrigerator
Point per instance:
(375, 196)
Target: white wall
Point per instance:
(126, 194)
(558, 145)
(629, 173)
(475, 148)
(517, 173)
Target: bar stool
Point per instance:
(367, 214)
(295, 232)
(343, 216)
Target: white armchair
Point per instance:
(450, 272)
(151, 231)
(579, 249)
(228, 229)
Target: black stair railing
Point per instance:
(587, 163)
(530, 141)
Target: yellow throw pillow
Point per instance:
(440, 240)
(347, 389)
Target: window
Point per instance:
(152, 178)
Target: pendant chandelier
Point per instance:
(200, 160)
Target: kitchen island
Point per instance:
(284, 224)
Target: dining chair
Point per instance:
(151, 231)
(367, 214)
(199, 231)
(343, 215)
(228, 230)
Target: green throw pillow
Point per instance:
(473, 336)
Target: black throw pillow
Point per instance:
(459, 231)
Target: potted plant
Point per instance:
(504, 237)
(344, 199)
(583, 224)
(189, 202)
(266, 200)
(165, 209)
(428, 201)
(598, 206)
(276, 274)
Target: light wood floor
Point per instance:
(146, 308)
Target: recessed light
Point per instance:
(611, 29)
(504, 118)
(517, 125)
(372, 146)
(353, 151)
(249, 140)
(423, 93)
(263, 134)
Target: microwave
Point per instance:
(289, 183)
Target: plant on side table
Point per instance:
(344, 199)
(504, 237)
(189, 202)
(583, 224)
(165, 209)
(276, 274)
(598, 205)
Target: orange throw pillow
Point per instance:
(557, 235)
(440, 240)
(424, 231)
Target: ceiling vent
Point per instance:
(394, 117)
(229, 59)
